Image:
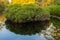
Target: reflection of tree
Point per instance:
(58, 34)
(26, 28)
(55, 21)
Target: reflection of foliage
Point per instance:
(0, 28)
(30, 12)
(55, 21)
(57, 37)
(26, 28)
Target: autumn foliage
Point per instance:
(22, 2)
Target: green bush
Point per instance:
(21, 13)
(2, 7)
(57, 2)
(54, 10)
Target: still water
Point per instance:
(31, 31)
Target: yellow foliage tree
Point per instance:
(22, 2)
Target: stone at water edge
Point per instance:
(48, 32)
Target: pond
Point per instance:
(47, 30)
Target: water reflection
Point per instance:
(2, 23)
(15, 31)
(47, 30)
(56, 23)
(28, 28)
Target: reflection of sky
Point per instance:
(7, 35)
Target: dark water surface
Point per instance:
(27, 31)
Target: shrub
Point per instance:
(57, 2)
(21, 13)
(54, 10)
